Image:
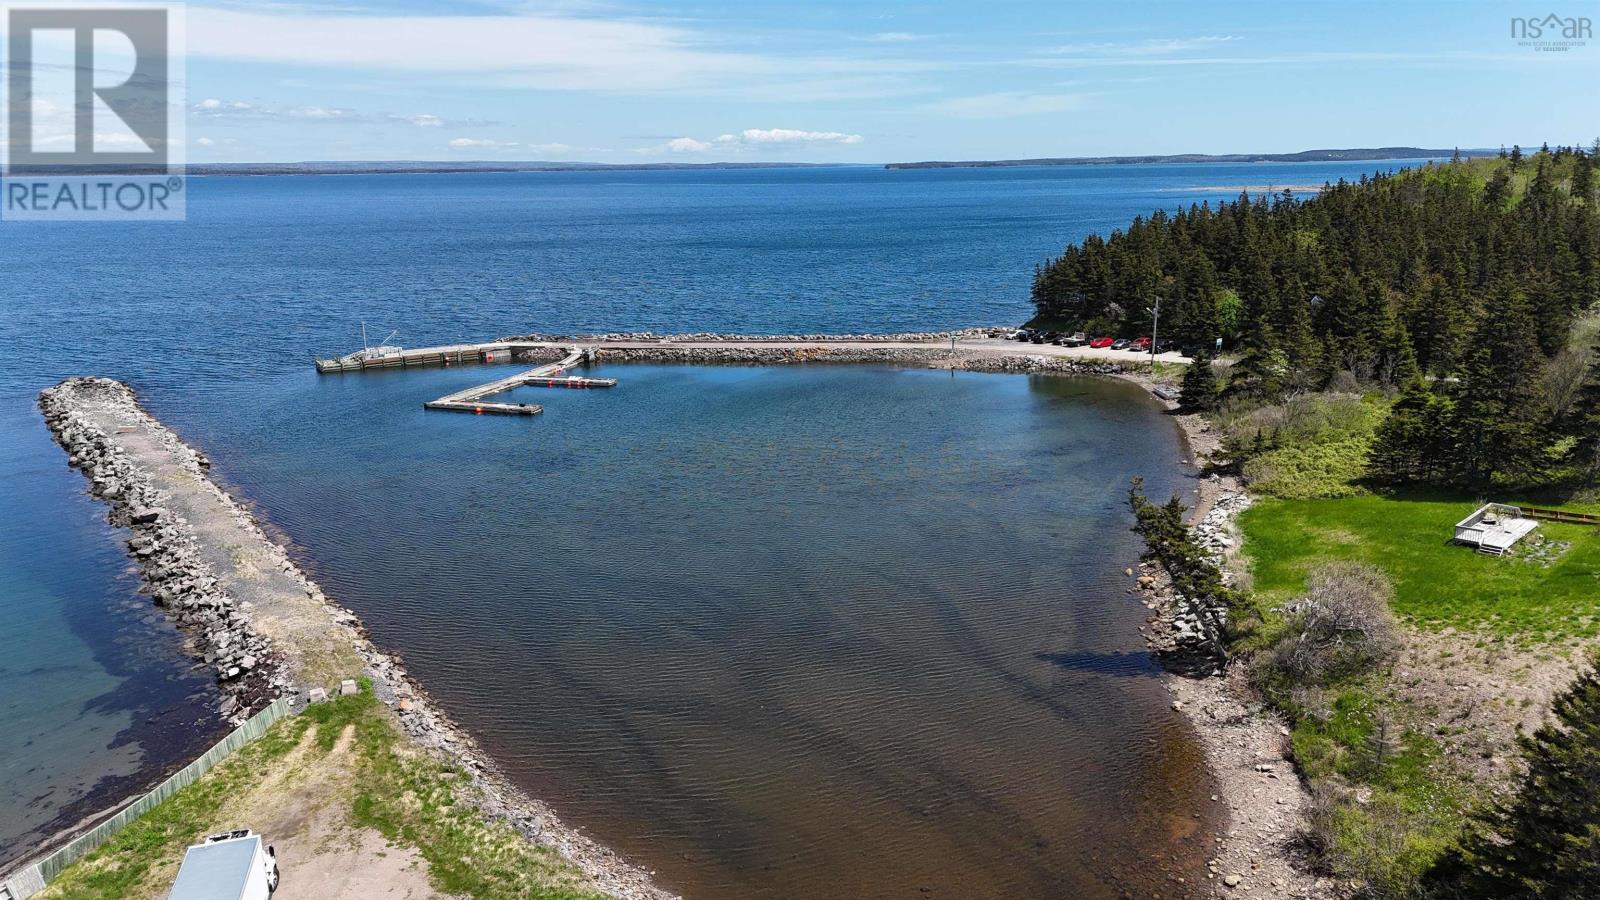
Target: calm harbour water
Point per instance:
(773, 632)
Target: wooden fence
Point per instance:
(1559, 515)
(32, 878)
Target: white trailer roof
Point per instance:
(218, 871)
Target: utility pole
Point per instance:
(1155, 328)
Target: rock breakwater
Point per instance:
(216, 625)
(250, 613)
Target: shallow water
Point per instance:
(899, 604)
(773, 632)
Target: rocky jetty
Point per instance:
(216, 626)
(262, 625)
(935, 355)
(701, 337)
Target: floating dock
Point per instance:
(473, 399)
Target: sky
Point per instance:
(893, 80)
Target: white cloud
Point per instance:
(462, 143)
(323, 113)
(687, 145)
(1005, 105)
(753, 137)
(1148, 47)
(422, 120)
(551, 49)
(205, 142)
(213, 108)
(894, 37)
(527, 150)
(793, 136)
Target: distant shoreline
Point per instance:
(1373, 154)
(484, 167)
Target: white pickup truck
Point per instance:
(235, 865)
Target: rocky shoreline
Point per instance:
(1246, 745)
(144, 472)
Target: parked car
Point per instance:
(1044, 337)
(1142, 343)
(1121, 344)
(1100, 343)
(1023, 334)
(232, 864)
(1075, 339)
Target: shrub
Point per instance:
(1340, 627)
(1311, 445)
(1381, 843)
(1326, 469)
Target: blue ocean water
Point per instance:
(711, 614)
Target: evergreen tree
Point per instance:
(1583, 423)
(1262, 371)
(1396, 361)
(1544, 843)
(1412, 443)
(1494, 429)
(1200, 387)
(1197, 303)
(1516, 157)
(1583, 177)
(1292, 323)
(1497, 191)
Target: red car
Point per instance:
(1100, 343)
(1142, 343)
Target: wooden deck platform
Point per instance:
(1494, 527)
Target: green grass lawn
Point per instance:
(379, 781)
(1437, 583)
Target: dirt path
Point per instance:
(280, 602)
(301, 806)
(320, 856)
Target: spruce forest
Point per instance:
(1455, 285)
(1378, 359)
